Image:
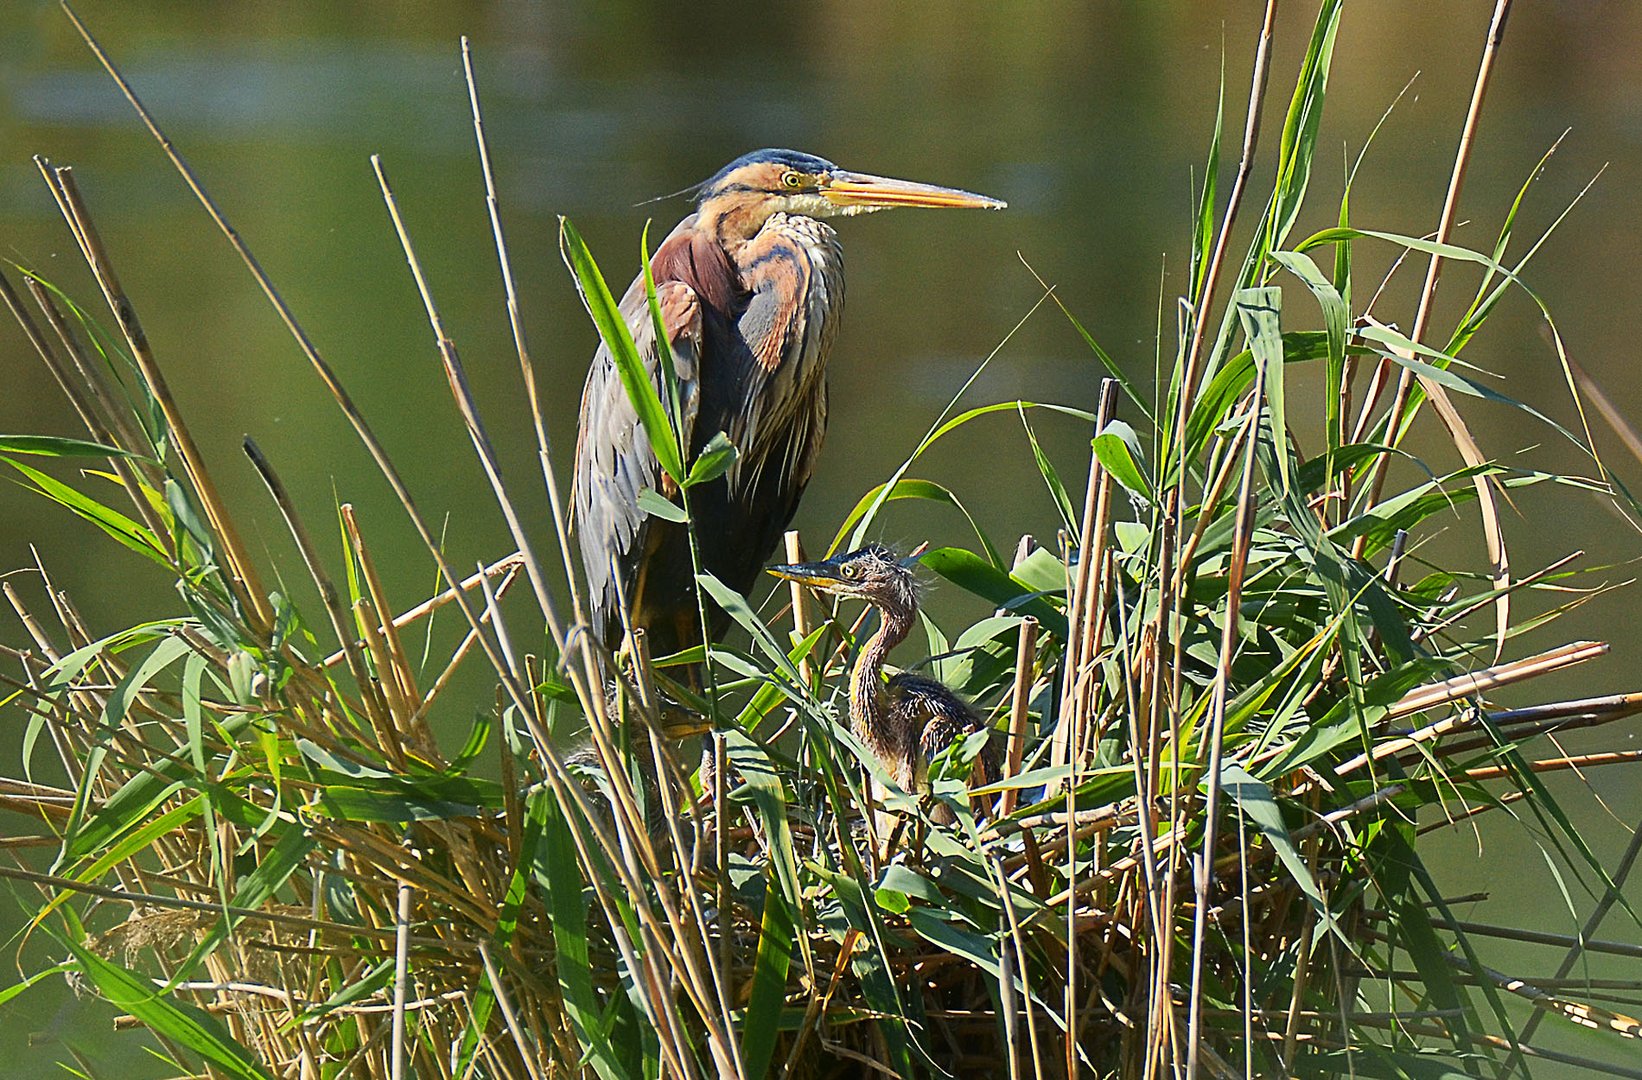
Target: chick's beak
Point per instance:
(862, 189)
(807, 573)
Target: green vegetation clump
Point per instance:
(1227, 705)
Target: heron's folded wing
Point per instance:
(614, 459)
(940, 719)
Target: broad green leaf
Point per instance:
(56, 446)
(478, 736)
(1336, 325)
(560, 876)
(1051, 478)
(877, 985)
(1298, 143)
(1118, 448)
(1259, 310)
(714, 460)
(936, 434)
(133, 535)
(273, 868)
(652, 502)
(1113, 368)
(128, 844)
(1397, 343)
(1260, 807)
(17, 988)
(978, 949)
(969, 571)
(412, 799)
(376, 978)
(631, 368)
(185, 1025)
(664, 348)
(768, 994)
(1207, 202)
(736, 606)
(912, 488)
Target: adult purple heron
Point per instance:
(750, 287)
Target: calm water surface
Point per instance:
(1091, 119)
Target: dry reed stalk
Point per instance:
(1187, 389)
(1242, 535)
(1211, 499)
(505, 568)
(374, 709)
(1067, 745)
(1611, 413)
(1084, 612)
(793, 546)
(401, 978)
(509, 1014)
(326, 373)
(1121, 913)
(1494, 677)
(241, 577)
(1557, 764)
(1445, 225)
(1160, 637)
(92, 408)
(402, 674)
(527, 369)
(1019, 704)
(442, 680)
(456, 377)
(1487, 498)
(1077, 599)
(58, 732)
(585, 680)
(392, 688)
(1520, 731)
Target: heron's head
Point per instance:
(764, 182)
(874, 574)
(675, 719)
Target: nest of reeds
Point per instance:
(1227, 715)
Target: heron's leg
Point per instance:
(885, 824)
(941, 732)
(703, 854)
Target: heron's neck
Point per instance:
(867, 699)
(734, 219)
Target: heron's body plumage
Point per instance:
(750, 326)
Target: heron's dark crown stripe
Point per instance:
(792, 159)
(711, 192)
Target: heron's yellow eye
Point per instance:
(847, 572)
(792, 180)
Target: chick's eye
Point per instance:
(848, 572)
(792, 180)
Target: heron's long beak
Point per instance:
(679, 723)
(862, 189)
(814, 573)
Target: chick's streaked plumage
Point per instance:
(906, 719)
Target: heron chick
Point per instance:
(905, 719)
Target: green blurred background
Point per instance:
(1092, 119)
